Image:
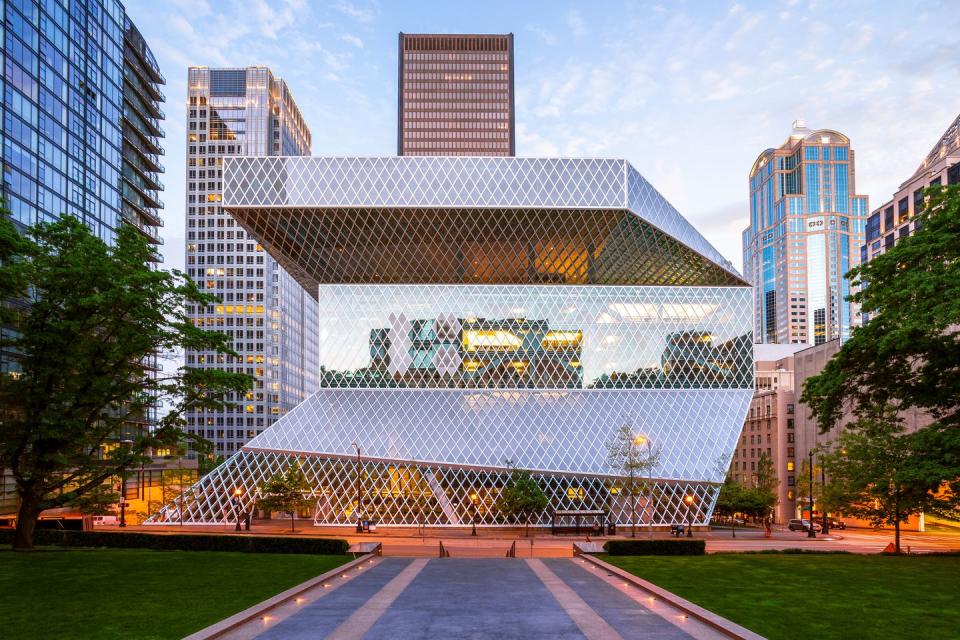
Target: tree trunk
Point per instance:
(896, 525)
(293, 521)
(26, 522)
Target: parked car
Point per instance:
(836, 524)
(105, 520)
(802, 525)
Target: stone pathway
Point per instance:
(504, 599)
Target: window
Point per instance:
(790, 481)
(790, 465)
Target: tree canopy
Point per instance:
(632, 457)
(285, 492)
(522, 498)
(86, 321)
(907, 355)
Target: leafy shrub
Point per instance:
(682, 547)
(184, 541)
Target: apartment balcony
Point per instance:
(145, 141)
(146, 97)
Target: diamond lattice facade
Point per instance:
(477, 313)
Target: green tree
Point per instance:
(908, 354)
(874, 473)
(87, 319)
(632, 458)
(285, 492)
(522, 498)
(99, 501)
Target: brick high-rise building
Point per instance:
(455, 95)
(244, 112)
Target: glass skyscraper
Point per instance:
(478, 313)
(270, 318)
(806, 229)
(81, 119)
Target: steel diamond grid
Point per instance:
(529, 336)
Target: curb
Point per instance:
(712, 620)
(222, 628)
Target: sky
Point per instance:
(689, 92)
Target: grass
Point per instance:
(134, 593)
(816, 596)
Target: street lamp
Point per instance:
(640, 441)
(359, 493)
(823, 485)
(810, 532)
(689, 500)
(123, 489)
(474, 498)
(236, 505)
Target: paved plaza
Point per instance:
(410, 598)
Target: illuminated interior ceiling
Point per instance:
(454, 220)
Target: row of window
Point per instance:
(456, 135)
(481, 95)
(439, 144)
(432, 107)
(502, 126)
(476, 75)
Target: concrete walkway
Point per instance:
(555, 598)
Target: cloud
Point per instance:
(864, 37)
(545, 36)
(360, 14)
(575, 22)
(354, 40)
(533, 144)
(748, 24)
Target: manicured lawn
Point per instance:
(132, 593)
(817, 596)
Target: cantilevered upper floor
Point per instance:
(480, 220)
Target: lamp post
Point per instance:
(810, 532)
(236, 506)
(359, 491)
(123, 489)
(825, 529)
(473, 501)
(688, 500)
(641, 440)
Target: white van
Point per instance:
(99, 521)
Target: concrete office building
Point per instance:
(806, 229)
(483, 311)
(894, 219)
(271, 319)
(455, 95)
(770, 427)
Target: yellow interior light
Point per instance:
(498, 339)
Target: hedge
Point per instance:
(656, 547)
(184, 541)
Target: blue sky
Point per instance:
(689, 92)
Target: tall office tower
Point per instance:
(271, 319)
(455, 95)
(806, 228)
